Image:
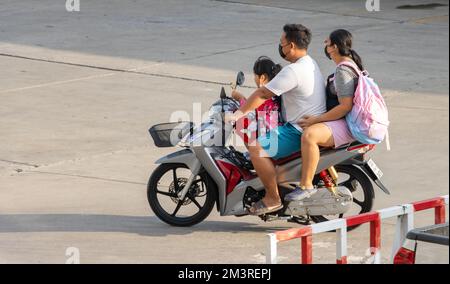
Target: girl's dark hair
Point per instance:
(265, 65)
(343, 39)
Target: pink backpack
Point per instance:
(368, 120)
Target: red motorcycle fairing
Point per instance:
(233, 174)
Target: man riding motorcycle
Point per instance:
(301, 87)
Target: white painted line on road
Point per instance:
(79, 79)
(55, 83)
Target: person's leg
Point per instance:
(313, 137)
(267, 173)
(277, 144)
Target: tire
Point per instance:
(155, 205)
(365, 185)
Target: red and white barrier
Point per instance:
(405, 223)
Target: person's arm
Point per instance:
(285, 81)
(345, 87)
(256, 99)
(237, 96)
(253, 102)
(338, 112)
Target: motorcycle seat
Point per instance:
(298, 155)
(293, 156)
(282, 161)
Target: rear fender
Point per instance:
(362, 164)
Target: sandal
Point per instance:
(259, 208)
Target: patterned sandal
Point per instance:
(259, 208)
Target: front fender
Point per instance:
(184, 156)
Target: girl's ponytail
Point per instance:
(357, 59)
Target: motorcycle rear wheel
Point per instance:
(357, 182)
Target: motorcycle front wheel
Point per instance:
(162, 194)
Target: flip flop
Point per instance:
(259, 208)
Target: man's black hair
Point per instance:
(298, 34)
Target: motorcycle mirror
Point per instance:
(223, 95)
(240, 78)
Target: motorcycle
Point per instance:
(187, 184)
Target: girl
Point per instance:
(268, 115)
(329, 129)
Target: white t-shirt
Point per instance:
(302, 89)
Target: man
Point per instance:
(301, 87)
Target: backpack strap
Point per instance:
(353, 66)
(388, 142)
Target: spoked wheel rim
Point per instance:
(354, 186)
(196, 190)
(166, 182)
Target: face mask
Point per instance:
(326, 52)
(280, 50)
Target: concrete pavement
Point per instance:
(79, 90)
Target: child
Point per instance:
(268, 115)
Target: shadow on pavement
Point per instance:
(142, 225)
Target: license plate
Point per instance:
(374, 168)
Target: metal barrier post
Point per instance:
(271, 253)
(439, 213)
(405, 223)
(307, 249)
(341, 245)
(375, 239)
(439, 208)
(375, 230)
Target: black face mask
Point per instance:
(326, 52)
(280, 50)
